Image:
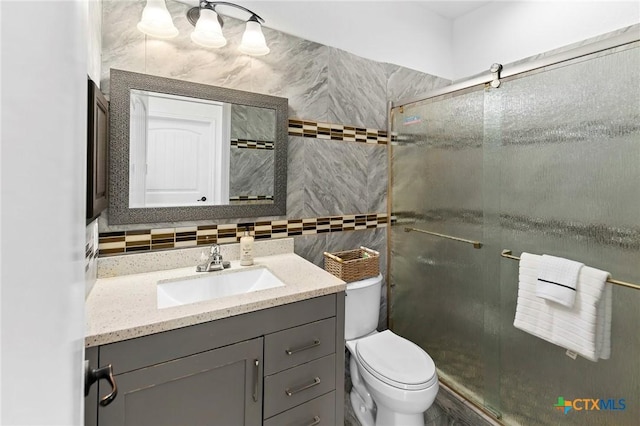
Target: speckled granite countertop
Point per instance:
(125, 307)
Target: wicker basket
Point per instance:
(353, 265)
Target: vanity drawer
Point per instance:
(298, 345)
(319, 411)
(299, 384)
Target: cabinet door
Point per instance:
(217, 387)
(97, 151)
(91, 400)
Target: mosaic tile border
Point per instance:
(124, 242)
(250, 197)
(90, 255)
(336, 132)
(252, 144)
(90, 246)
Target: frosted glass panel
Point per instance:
(570, 186)
(549, 162)
(437, 186)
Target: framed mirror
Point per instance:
(183, 151)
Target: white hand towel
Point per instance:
(584, 328)
(557, 279)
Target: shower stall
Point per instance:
(540, 157)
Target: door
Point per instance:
(217, 387)
(179, 154)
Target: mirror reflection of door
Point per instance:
(181, 157)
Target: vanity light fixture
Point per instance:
(156, 21)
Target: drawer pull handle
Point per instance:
(314, 422)
(290, 392)
(302, 348)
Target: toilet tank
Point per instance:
(362, 307)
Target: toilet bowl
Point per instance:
(398, 377)
(394, 380)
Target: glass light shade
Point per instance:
(156, 20)
(253, 42)
(208, 32)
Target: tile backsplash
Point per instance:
(136, 241)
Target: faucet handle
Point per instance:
(215, 249)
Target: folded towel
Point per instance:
(557, 279)
(584, 328)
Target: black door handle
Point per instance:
(93, 375)
(202, 199)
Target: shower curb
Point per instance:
(463, 410)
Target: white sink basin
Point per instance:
(212, 285)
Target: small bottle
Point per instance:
(246, 249)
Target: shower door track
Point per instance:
(630, 36)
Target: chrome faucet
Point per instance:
(214, 262)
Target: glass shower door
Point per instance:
(438, 293)
(570, 187)
(549, 162)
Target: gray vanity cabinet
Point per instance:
(277, 366)
(217, 387)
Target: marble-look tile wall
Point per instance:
(253, 123)
(251, 169)
(252, 172)
(322, 83)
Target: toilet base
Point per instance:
(386, 417)
(380, 415)
(364, 415)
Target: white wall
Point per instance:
(43, 116)
(398, 32)
(505, 32)
(94, 39)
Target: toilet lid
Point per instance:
(396, 361)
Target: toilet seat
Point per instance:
(396, 361)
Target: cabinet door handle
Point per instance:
(256, 365)
(315, 343)
(315, 421)
(291, 392)
(93, 375)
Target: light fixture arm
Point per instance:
(204, 4)
(208, 33)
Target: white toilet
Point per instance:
(394, 380)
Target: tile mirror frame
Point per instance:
(119, 211)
